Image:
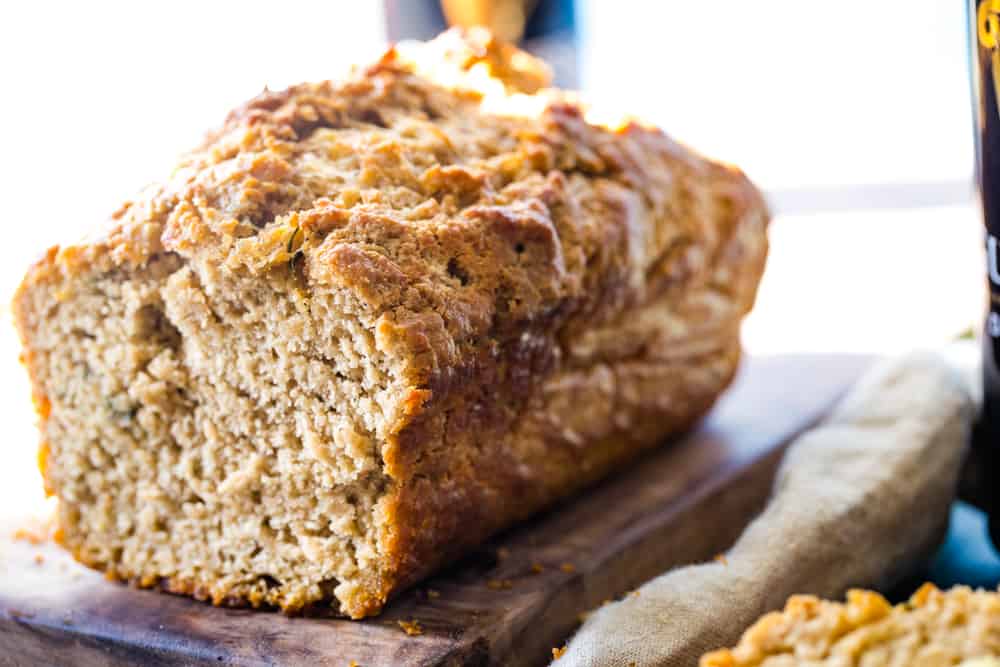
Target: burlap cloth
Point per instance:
(858, 501)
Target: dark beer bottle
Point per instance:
(984, 39)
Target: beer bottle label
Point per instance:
(985, 41)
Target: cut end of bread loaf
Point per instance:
(369, 323)
(215, 435)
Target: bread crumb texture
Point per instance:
(411, 628)
(368, 323)
(934, 629)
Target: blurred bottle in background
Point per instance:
(984, 41)
(546, 28)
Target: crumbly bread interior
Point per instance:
(213, 431)
(935, 628)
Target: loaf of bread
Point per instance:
(367, 324)
(958, 627)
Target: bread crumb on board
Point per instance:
(537, 568)
(433, 594)
(32, 535)
(558, 652)
(568, 568)
(411, 628)
(499, 584)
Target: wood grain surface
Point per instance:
(510, 603)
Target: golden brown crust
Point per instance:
(512, 254)
(933, 628)
(439, 521)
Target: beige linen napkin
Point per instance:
(858, 500)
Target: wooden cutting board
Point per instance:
(681, 504)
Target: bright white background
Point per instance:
(799, 93)
(858, 108)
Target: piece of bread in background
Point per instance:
(957, 627)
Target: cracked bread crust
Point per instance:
(934, 628)
(526, 300)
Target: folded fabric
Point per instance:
(859, 500)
